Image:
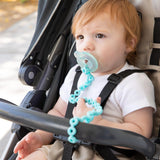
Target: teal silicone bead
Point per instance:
(99, 108)
(90, 78)
(96, 105)
(82, 88)
(90, 117)
(72, 139)
(87, 83)
(91, 101)
(99, 111)
(77, 92)
(71, 131)
(94, 112)
(85, 70)
(74, 121)
(91, 113)
(85, 119)
(72, 99)
(85, 99)
(72, 96)
(76, 99)
(85, 86)
(88, 101)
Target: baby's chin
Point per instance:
(99, 72)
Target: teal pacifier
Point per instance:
(84, 58)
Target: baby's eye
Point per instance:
(100, 35)
(79, 37)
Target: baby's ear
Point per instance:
(131, 45)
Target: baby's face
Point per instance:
(105, 40)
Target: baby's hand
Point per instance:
(81, 110)
(27, 145)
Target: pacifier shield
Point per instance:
(84, 58)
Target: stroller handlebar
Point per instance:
(100, 135)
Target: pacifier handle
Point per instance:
(85, 58)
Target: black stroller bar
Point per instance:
(102, 135)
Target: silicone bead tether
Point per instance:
(84, 58)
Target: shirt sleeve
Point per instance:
(136, 92)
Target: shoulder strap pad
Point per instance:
(74, 87)
(114, 80)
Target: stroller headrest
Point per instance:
(148, 50)
(150, 38)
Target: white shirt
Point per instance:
(134, 92)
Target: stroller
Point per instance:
(46, 63)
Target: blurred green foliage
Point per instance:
(23, 1)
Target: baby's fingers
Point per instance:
(98, 100)
(80, 102)
(18, 147)
(21, 144)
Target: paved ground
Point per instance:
(13, 45)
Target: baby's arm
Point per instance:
(36, 139)
(139, 121)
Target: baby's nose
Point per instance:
(88, 46)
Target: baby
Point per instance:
(110, 31)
